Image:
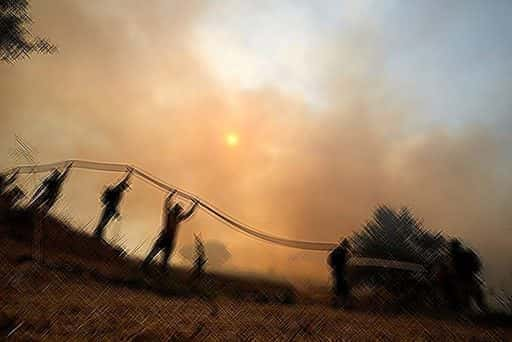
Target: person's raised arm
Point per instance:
(39, 190)
(123, 184)
(128, 175)
(66, 172)
(168, 200)
(189, 212)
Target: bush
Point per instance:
(396, 235)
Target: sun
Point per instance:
(232, 139)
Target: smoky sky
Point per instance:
(132, 83)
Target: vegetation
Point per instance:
(398, 235)
(200, 259)
(218, 254)
(16, 41)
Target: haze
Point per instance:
(294, 117)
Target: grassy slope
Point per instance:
(86, 289)
(66, 248)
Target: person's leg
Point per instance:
(336, 299)
(465, 295)
(106, 216)
(50, 202)
(154, 251)
(345, 291)
(37, 202)
(46, 206)
(478, 296)
(341, 290)
(167, 250)
(454, 294)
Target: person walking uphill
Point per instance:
(337, 260)
(173, 216)
(48, 192)
(111, 199)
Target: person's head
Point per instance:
(345, 243)
(177, 209)
(455, 245)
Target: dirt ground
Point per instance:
(39, 301)
(55, 305)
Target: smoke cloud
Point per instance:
(129, 84)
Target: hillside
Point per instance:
(87, 289)
(64, 247)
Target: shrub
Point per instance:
(395, 235)
(398, 235)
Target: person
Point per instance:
(463, 283)
(173, 216)
(467, 285)
(337, 260)
(12, 196)
(8, 197)
(6, 181)
(48, 192)
(111, 199)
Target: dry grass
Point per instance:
(56, 306)
(77, 297)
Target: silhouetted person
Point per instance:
(48, 192)
(173, 216)
(111, 199)
(337, 260)
(465, 283)
(13, 195)
(8, 197)
(5, 181)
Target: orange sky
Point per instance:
(132, 84)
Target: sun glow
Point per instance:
(232, 139)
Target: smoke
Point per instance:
(217, 253)
(129, 84)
